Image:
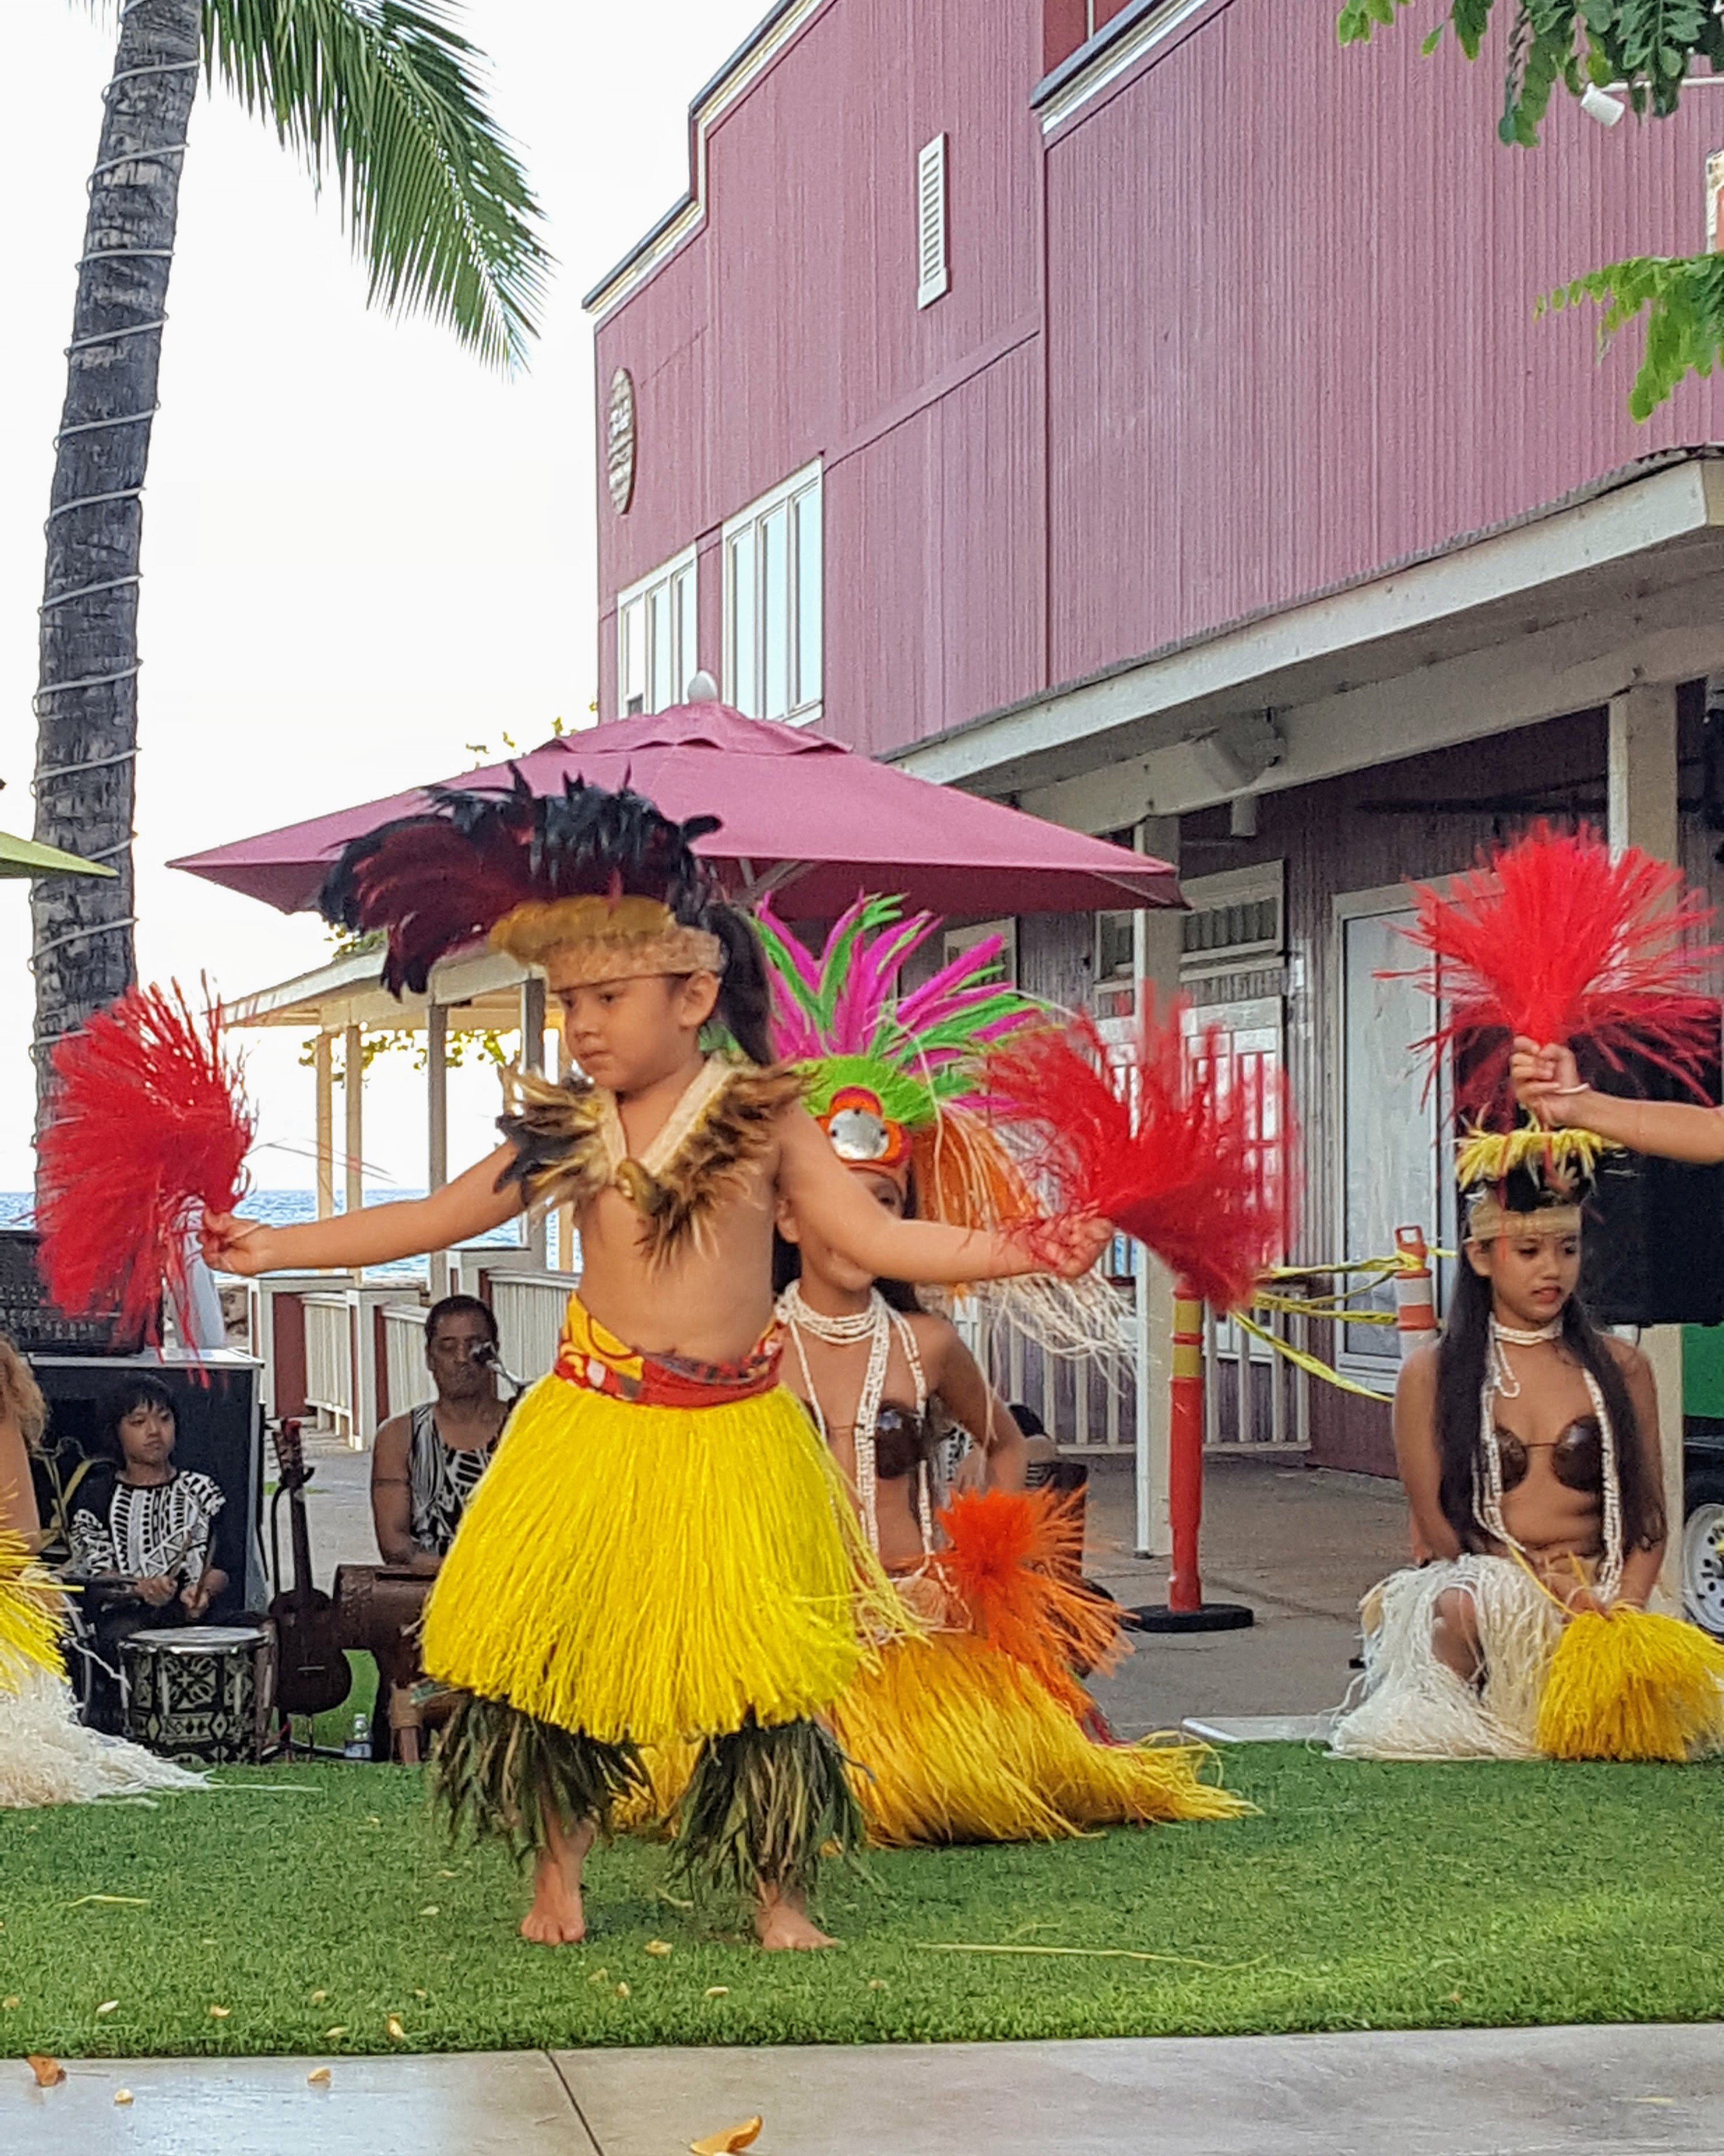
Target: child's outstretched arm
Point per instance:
(471, 1205)
(827, 1196)
(1547, 1083)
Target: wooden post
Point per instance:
(323, 1062)
(1156, 938)
(1643, 813)
(353, 1099)
(532, 1059)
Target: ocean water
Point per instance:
(281, 1208)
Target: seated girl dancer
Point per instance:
(959, 1738)
(660, 1553)
(1528, 1445)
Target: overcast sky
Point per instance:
(362, 552)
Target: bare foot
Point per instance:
(557, 1918)
(781, 1924)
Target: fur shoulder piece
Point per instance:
(714, 1162)
(568, 1148)
(557, 1131)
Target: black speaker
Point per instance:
(219, 1432)
(1652, 1252)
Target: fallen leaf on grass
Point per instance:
(394, 2029)
(50, 2072)
(599, 1976)
(876, 1983)
(10, 2000)
(318, 2077)
(220, 2013)
(422, 1995)
(430, 1909)
(624, 1992)
(716, 1991)
(111, 1902)
(318, 1997)
(109, 2006)
(731, 2142)
(331, 2034)
(122, 2095)
(658, 1946)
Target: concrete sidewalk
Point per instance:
(1630, 2091)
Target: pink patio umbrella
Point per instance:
(804, 818)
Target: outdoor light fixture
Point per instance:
(1235, 756)
(1600, 106)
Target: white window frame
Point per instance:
(1245, 886)
(933, 253)
(800, 496)
(660, 586)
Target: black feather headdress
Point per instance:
(533, 873)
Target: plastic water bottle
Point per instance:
(358, 1744)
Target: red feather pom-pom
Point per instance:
(1555, 938)
(149, 1130)
(1184, 1147)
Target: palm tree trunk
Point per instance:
(86, 704)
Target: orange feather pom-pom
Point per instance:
(1555, 938)
(1013, 1562)
(148, 1130)
(1180, 1146)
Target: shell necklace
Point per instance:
(877, 1325)
(1487, 1487)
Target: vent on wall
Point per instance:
(933, 276)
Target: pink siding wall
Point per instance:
(1290, 306)
(788, 328)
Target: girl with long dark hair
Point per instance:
(1527, 1444)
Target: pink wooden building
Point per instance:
(1139, 412)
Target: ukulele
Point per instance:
(312, 1675)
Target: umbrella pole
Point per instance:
(1185, 1610)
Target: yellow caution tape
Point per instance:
(1309, 1363)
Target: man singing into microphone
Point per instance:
(426, 1463)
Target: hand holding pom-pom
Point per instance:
(1068, 1247)
(232, 1244)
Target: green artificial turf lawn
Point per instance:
(1360, 1896)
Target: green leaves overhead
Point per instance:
(386, 94)
(1646, 45)
(1683, 300)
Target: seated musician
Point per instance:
(142, 1534)
(426, 1464)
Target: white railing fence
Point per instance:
(529, 1310)
(330, 1387)
(406, 1378)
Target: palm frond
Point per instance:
(387, 95)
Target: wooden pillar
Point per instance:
(532, 1059)
(353, 1099)
(1643, 813)
(323, 1062)
(1157, 936)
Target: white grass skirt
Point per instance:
(48, 1756)
(1411, 1706)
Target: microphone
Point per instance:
(487, 1357)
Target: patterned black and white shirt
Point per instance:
(145, 1533)
(442, 1478)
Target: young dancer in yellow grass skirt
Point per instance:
(1528, 1444)
(659, 1552)
(974, 1732)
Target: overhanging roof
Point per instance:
(1554, 612)
(480, 991)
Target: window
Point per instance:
(1389, 1122)
(656, 639)
(1235, 922)
(933, 276)
(773, 653)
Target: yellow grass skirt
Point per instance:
(953, 1741)
(655, 1574)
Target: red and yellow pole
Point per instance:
(1185, 1451)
